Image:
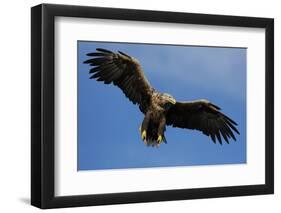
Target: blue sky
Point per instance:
(108, 135)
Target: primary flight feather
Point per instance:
(159, 109)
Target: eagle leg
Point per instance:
(161, 130)
(143, 135)
(144, 126)
(159, 139)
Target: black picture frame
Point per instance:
(43, 117)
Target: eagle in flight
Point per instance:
(159, 109)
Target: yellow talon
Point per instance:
(159, 139)
(143, 135)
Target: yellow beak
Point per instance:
(172, 101)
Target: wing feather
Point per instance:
(123, 71)
(204, 116)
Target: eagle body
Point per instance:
(154, 122)
(159, 109)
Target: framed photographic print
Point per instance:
(139, 106)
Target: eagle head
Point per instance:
(167, 100)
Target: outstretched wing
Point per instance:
(204, 116)
(123, 71)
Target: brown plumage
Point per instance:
(160, 109)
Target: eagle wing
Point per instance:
(204, 116)
(123, 71)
